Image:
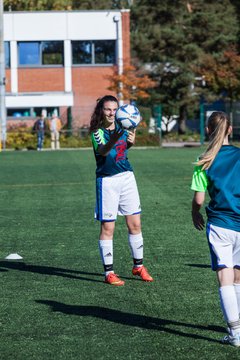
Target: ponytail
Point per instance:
(218, 125)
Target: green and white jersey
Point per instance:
(116, 161)
(222, 182)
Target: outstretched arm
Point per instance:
(197, 202)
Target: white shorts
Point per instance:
(116, 195)
(224, 247)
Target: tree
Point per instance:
(222, 74)
(132, 84)
(172, 38)
(35, 5)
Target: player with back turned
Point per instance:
(217, 171)
(116, 188)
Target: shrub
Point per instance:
(143, 138)
(75, 141)
(22, 138)
(174, 136)
(146, 114)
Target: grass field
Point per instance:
(54, 304)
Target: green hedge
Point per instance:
(23, 139)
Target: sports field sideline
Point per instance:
(54, 304)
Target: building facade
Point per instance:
(57, 60)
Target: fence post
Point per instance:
(3, 120)
(69, 121)
(157, 113)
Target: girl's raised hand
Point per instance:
(131, 136)
(115, 135)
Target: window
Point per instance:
(31, 112)
(7, 53)
(104, 52)
(82, 52)
(37, 111)
(93, 52)
(29, 53)
(16, 113)
(40, 53)
(52, 53)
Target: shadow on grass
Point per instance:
(202, 266)
(48, 270)
(142, 321)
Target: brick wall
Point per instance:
(40, 79)
(8, 80)
(89, 83)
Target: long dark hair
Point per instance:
(218, 126)
(97, 117)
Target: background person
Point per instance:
(55, 126)
(40, 128)
(116, 188)
(217, 171)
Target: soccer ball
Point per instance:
(128, 116)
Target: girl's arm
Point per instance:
(131, 138)
(114, 137)
(197, 202)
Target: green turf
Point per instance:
(54, 304)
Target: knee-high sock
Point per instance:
(237, 291)
(136, 246)
(229, 307)
(106, 252)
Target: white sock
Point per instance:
(229, 304)
(106, 252)
(237, 291)
(136, 246)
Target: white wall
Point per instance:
(84, 25)
(43, 100)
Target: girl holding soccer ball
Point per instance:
(217, 171)
(116, 188)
